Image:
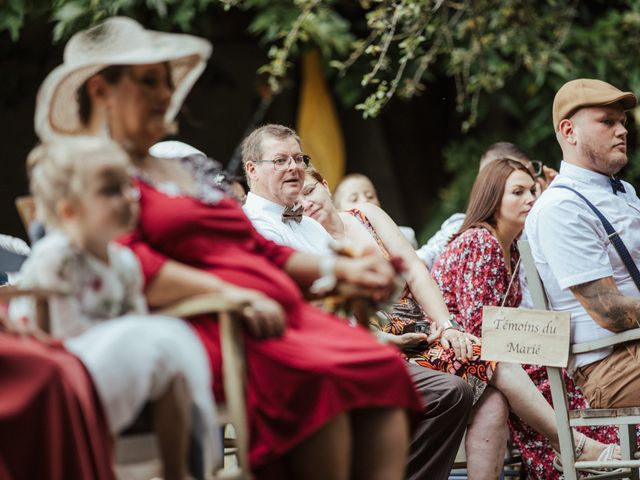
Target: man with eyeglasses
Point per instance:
(274, 165)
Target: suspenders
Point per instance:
(614, 238)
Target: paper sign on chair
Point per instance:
(537, 337)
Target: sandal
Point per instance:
(606, 455)
(577, 453)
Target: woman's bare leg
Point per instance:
(527, 402)
(380, 443)
(325, 454)
(487, 435)
(172, 421)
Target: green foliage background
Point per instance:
(507, 57)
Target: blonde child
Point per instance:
(84, 196)
(357, 188)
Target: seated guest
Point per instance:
(201, 165)
(447, 399)
(83, 193)
(51, 422)
(324, 400)
(478, 267)
(449, 350)
(430, 251)
(275, 178)
(357, 188)
(583, 272)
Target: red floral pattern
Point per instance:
(472, 272)
(401, 318)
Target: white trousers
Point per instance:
(132, 360)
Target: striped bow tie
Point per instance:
(292, 213)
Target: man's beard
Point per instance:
(610, 167)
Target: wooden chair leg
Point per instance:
(627, 435)
(565, 433)
(234, 378)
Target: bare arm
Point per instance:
(607, 306)
(422, 286)
(370, 271)
(176, 281)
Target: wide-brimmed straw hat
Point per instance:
(116, 41)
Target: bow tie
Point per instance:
(616, 185)
(292, 213)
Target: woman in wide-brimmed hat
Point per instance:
(324, 399)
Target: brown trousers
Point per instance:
(613, 382)
(437, 437)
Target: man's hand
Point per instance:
(607, 306)
(263, 316)
(543, 181)
(372, 273)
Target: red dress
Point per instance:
(321, 366)
(51, 422)
(471, 272)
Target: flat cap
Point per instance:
(587, 92)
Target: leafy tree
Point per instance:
(507, 58)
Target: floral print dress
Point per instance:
(472, 272)
(402, 317)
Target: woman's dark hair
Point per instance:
(112, 75)
(487, 192)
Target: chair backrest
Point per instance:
(26, 207)
(536, 288)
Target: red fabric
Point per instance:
(51, 421)
(320, 368)
(472, 272)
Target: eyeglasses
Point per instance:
(282, 163)
(536, 166)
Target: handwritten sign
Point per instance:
(537, 337)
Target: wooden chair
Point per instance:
(26, 209)
(141, 446)
(233, 411)
(625, 418)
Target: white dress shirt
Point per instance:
(570, 246)
(308, 236)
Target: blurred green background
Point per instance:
(421, 87)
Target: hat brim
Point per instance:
(57, 111)
(627, 99)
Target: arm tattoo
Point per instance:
(607, 306)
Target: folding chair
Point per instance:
(625, 418)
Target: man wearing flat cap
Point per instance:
(570, 229)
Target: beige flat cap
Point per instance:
(587, 92)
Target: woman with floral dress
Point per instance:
(449, 349)
(477, 269)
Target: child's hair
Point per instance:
(57, 170)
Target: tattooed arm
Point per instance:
(607, 306)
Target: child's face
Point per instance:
(355, 191)
(106, 208)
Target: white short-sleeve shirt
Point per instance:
(308, 236)
(570, 246)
